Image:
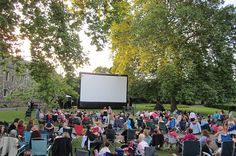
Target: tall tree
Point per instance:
(191, 48)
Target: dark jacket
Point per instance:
(62, 147)
(110, 134)
(157, 139)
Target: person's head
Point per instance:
(16, 120)
(208, 142)
(109, 126)
(36, 134)
(107, 144)
(41, 127)
(146, 132)
(190, 131)
(31, 122)
(141, 137)
(205, 133)
(13, 133)
(20, 123)
(66, 135)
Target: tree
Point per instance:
(103, 70)
(190, 48)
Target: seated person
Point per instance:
(147, 138)
(207, 147)
(157, 139)
(14, 125)
(62, 145)
(204, 137)
(49, 128)
(104, 150)
(195, 126)
(65, 128)
(141, 145)
(93, 137)
(110, 133)
(189, 135)
(35, 134)
(124, 133)
(172, 137)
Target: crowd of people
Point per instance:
(134, 132)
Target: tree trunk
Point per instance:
(159, 106)
(173, 104)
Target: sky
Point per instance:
(102, 58)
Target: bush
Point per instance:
(224, 107)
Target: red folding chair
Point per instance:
(78, 129)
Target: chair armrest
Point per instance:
(205, 154)
(21, 149)
(49, 147)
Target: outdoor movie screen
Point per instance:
(99, 90)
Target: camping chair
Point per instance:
(131, 134)
(150, 151)
(172, 140)
(192, 148)
(39, 147)
(21, 150)
(62, 146)
(27, 137)
(227, 148)
(78, 129)
(111, 154)
(81, 152)
(205, 154)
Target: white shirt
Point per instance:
(103, 151)
(141, 147)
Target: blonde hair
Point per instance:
(146, 132)
(141, 137)
(66, 135)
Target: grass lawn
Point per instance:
(196, 108)
(10, 115)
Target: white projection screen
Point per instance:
(100, 90)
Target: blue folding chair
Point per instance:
(27, 137)
(21, 149)
(39, 147)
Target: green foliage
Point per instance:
(184, 45)
(103, 70)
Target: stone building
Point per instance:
(11, 80)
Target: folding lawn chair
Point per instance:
(150, 151)
(227, 148)
(80, 152)
(192, 148)
(39, 147)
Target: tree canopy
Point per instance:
(188, 46)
